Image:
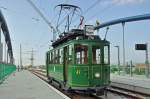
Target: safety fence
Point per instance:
(5, 70)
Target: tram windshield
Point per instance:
(81, 52)
(96, 55)
(106, 54)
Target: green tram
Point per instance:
(79, 62)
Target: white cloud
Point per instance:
(127, 1)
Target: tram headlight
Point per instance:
(97, 75)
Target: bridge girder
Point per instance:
(124, 20)
(6, 35)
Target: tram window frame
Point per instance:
(97, 51)
(52, 57)
(49, 59)
(57, 56)
(79, 58)
(61, 56)
(106, 54)
(70, 53)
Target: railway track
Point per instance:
(127, 94)
(72, 95)
(113, 89)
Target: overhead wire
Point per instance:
(72, 15)
(102, 11)
(59, 17)
(19, 13)
(92, 6)
(89, 8)
(41, 37)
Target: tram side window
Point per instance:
(106, 55)
(47, 61)
(61, 56)
(57, 56)
(70, 54)
(53, 57)
(49, 55)
(81, 52)
(96, 55)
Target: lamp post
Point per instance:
(123, 25)
(146, 61)
(118, 58)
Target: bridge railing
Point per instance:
(5, 70)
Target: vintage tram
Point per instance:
(79, 61)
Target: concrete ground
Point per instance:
(135, 80)
(25, 85)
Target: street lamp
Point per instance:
(118, 58)
(123, 25)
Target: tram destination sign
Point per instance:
(89, 30)
(140, 46)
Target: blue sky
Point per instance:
(28, 28)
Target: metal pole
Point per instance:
(146, 61)
(131, 65)
(32, 57)
(123, 24)
(106, 32)
(118, 58)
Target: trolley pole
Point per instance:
(68, 22)
(147, 62)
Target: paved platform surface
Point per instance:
(25, 85)
(135, 80)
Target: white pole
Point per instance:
(118, 58)
(146, 61)
(123, 24)
(1, 46)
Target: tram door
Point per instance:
(65, 65)
(97, 71)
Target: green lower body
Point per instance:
(81, 76)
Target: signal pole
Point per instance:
(118, 48)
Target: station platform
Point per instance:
(135, 83)
(25, 85)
